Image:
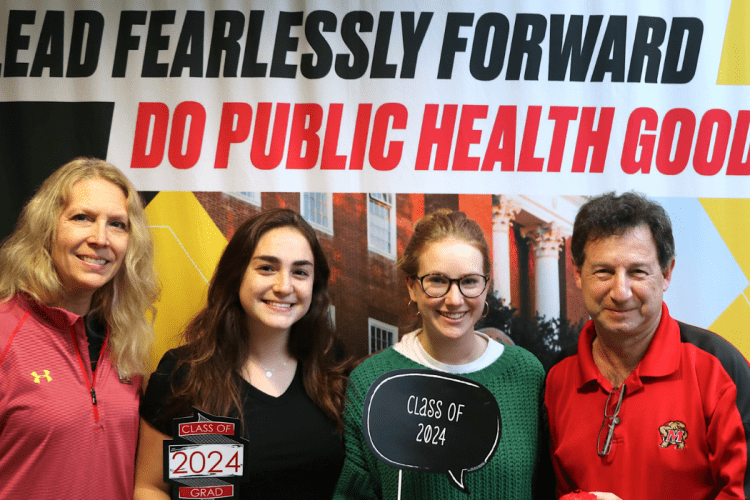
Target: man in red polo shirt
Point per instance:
(644, 407)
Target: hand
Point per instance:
(605, 496)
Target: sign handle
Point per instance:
(400, 471)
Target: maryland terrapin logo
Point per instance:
(673, 433)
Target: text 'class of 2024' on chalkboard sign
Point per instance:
(428, 421)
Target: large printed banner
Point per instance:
(387, 96)
(366, 115)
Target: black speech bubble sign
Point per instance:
(431, 421)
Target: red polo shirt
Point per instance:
(681, 433)
(53, 442)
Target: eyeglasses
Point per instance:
(437, 285)
(604, 450)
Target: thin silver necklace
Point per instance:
(269, 371)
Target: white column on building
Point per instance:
(546, 241)
(502, 217)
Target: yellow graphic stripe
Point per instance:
(187, 248)
(729, 216)
(734, 68)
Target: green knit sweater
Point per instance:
(516, 379)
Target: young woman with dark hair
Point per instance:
(261, 350)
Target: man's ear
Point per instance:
(667, 274)
(577, 275)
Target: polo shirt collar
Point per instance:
(57, 316)
(662, 356)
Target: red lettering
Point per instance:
(503, 131)
(527, 162)
(640, 119)
(234, 462)
(379, 159)
(306, 122)
(736, 164)
(229, 133)
(148, 112)
(361, 130)
(674, 436)
(723, 123)
(588, 138)
(434, 135)
(468, 135)
(330, 160)
(686, 119)
(194, 142)
(258, 156)
(562, 115)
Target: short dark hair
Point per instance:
(609, 214)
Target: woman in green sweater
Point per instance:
(447, 268)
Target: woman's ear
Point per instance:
(412, 285)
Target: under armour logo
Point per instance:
(38, 378)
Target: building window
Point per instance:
(318, 211)
(252, 198)
(382, 335)
(381, 224)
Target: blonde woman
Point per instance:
(77, 287)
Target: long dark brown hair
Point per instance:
(217, 339)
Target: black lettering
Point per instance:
(520, 45)
(250, 65)
(16, 42)
(317, 21)
(155, 42)
(413, 38)
(654, 28)
(285, 43)
(227, 44)
(49, 50)
(501, 26)
(613, 44)
(126, 41)
(189, 50)
(452, 43)
(571, 50)
(350, 35)
(682, 26)
(81, 65)
(380, 69)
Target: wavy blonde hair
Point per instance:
(125, 303)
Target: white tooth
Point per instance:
(101, 262)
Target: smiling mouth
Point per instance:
(457, 315)
(282, 305)
(92, 260)
(619, 312)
